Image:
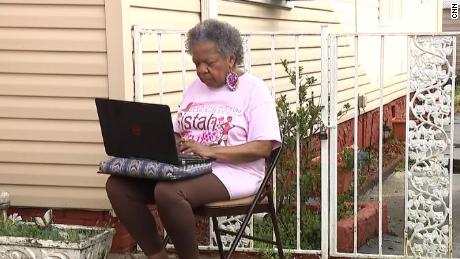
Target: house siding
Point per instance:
(338, 15)
(53, 63)
(165, 15)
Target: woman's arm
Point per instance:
(243, 153)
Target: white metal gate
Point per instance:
(429, 92)
(428, 176)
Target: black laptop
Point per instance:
(140, 130)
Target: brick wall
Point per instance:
(369, 121)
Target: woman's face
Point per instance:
(211, 66)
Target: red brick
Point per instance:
(344, 181)
(345, 129)
(368, 226)
(85, 214)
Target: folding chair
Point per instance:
(261, 202)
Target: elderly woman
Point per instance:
(227, 114)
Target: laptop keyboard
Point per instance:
(185, 160)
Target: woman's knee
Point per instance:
(166, 194)
(112, 185)
(122, 188)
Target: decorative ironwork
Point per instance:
(428, 141)
(233, 224)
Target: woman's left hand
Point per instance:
(195, 148)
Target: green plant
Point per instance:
(311, 184)
(310, 228)
(345, 204)
(361, 180)
(305, 121)
(299, 118)
(42, 228)
(27, 230)
(270, 253)
(401, 166)
(347, 159)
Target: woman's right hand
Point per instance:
(179, 140)
(194, 148)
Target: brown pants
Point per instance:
(175, 201)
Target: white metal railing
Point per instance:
(138, 35)
(329, 80)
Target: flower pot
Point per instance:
(94, 247)
(399, 129)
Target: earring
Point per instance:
(231, 80)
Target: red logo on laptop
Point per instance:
(136, 130)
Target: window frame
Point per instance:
(289, 4)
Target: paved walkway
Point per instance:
(393, 195)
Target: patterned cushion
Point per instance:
(144, 168)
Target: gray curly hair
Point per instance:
(227, 38)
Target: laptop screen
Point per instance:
(137, 130)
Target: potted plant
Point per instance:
(41, 238)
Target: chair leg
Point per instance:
(276, 229)
(239, 234)
(215, 225)
(166, 240)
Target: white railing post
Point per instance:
(381, 86)
(297, 90)
(334, 136)
(160, 67)
(406, 149)
(273, 91)
(324, 146)
(184, 68)
(138, 71)
(451, 151)
(355, 145)
(247, 52)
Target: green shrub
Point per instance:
(304, 121)
(42, 228)
(30, 230)
(347, 157)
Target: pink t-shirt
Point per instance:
(222, 117)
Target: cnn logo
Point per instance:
(454, 11)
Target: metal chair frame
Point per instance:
(262, 202)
